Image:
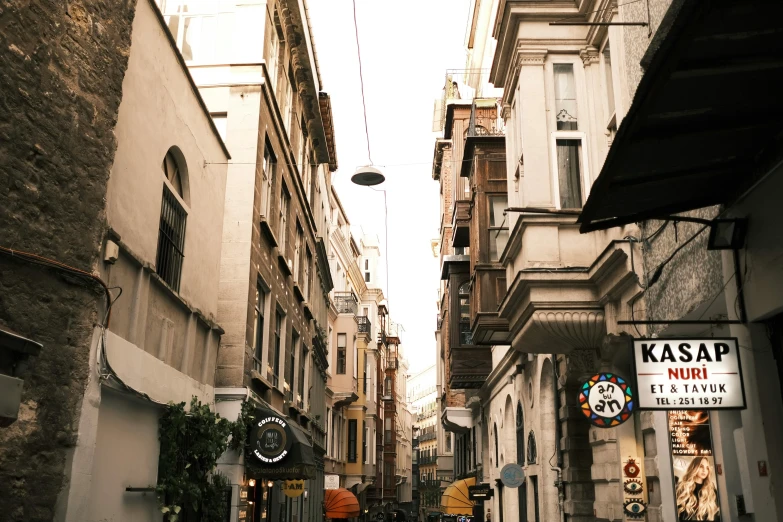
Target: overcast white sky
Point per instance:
(406, 47)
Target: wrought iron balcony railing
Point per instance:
(345, 302)
(365, 326)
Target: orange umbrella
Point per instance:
(340, 503)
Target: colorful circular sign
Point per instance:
(606, 400)
(270, 440)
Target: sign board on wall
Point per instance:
(480, 492)
(674, 374)
(331, 481)
(695, 480)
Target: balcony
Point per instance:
(469, 367)
(424, 461)
(365, 326)
(345, 302)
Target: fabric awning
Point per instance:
(704, 119)
(456, 500)
(278, 448)
(340, 503)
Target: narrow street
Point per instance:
(412, 261)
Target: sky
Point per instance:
(406, 47)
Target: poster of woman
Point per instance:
(696, 492)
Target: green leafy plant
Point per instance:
(190, 444)
(241, 427)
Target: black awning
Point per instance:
(705, 119)
(278, 448)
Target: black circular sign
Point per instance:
(271, 439)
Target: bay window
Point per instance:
(568, 146)
(498, 226)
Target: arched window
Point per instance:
(520, 436)
(497, 453)
(171, 230)
(531, 448)
(465, 336)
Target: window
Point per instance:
(448, 443)
(270, 166)
(274, 361)
(565, 97)
(387, 430)
(303, 363)
(171, 230)
(341, 346)
(366, 435)
(290, 364)
(193, 26)
(364, 377)
(465, 337)
(276, 53)
(387, 475)
(367, 270)
(258, 335)
(497, 453)
(297, 251)
(282, 222)
(568, 152)
(498, 226)
(570, 170)
(387, 387)
(352, 440)
(308, 264)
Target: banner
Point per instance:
(695, 481)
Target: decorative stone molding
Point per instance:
(531, 57)
(579, 329)
(589, 55)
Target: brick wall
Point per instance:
(61, 73)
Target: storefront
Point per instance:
(699, 168)
(280, 470)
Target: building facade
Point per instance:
(143, 222)
(589, 262)
(255, 67)
(422, 396)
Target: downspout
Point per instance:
(559, 484)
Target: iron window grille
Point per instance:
(171, 240)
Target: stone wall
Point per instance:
(61, 73)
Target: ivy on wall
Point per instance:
(189, 488)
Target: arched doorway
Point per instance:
(521, 490)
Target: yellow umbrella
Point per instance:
(455, 500)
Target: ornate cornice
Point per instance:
(578, 329)
(589, 55)
(531, 56)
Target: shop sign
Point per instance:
(607, 400)
(695, 483)
(293, 488)
(678, 373)
(331, 481)
(270, 439)
(512, 475)
(480, 492)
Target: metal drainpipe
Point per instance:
(559, 468)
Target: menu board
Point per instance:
(695, 483)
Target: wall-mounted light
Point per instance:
(270, 484)
(727, 234)
(305, 494)
(251, 482)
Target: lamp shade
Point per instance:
(368, 176)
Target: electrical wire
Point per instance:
(659, 269)
(62, 267)
(361, 81)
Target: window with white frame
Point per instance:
(569, 153)
(194, 26)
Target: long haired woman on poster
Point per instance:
(697, 497)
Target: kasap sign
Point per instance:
(678, 374)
